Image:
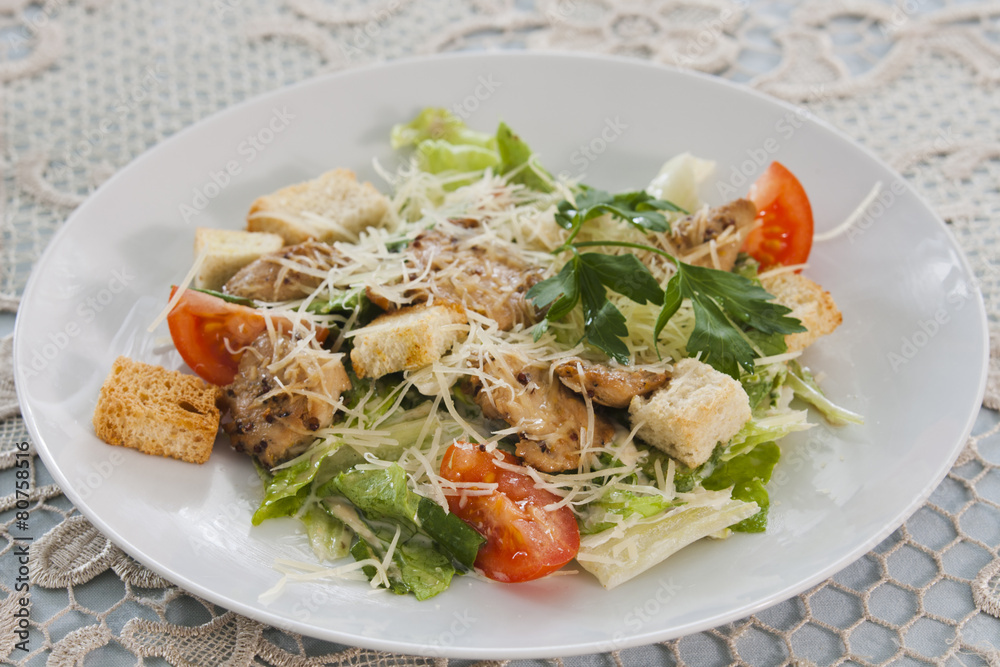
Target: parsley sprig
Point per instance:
(735, 318)
(640, 209)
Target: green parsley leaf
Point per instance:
(584, 278)
(768, 344)
(605, 324)
(562, 291)
(626, 275)
(605, 329)
(722, 345)
(729, 309)
(639, 208)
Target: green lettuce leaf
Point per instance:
(329, 537)
(765, 429)
(626, 503)
(657, 539)
(416, 568)
(288, 488)
(438, 124)
(762, 387)
(516, 155)
(805, 387)
(383, 495)
(349, 299)
(747, 474)
(435, 156)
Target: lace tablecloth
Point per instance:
(87, 85)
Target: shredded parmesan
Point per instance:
(179, 292)
(853, 218)
(413, 423)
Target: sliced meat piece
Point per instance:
(550, 418)
(727, 225)
(277, 402)
(378, 297)
(613, 387)
(291, 273)
(487, 279)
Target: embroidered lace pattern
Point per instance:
(87, 85)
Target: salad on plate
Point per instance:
(496, 370)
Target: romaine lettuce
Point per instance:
(805, 387)
(435, 123)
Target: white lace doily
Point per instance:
(87, 85)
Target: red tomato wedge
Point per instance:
(783, 232)
(200, 325)
(523, 540)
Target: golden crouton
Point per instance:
(700, 408)
(157, 411)
(809, 302)
(227, 251)
(332, 207)
(407, 339)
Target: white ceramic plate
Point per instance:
(902, 283)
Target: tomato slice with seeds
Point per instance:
(783, 233)
(210, 333)
(201, 325)
(524, 541)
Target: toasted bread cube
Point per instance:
(407, 339)
(809, 302)
(227, 251)
(157, 411)
(700, 408)
(333, 207)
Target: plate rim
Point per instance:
(550, 651)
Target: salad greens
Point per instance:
(354, 489)
(805, 387)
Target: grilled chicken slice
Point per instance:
(613, 387)
(485, 278)
(277, 402)
(291, 273)
(727, 225)
(549, 417)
